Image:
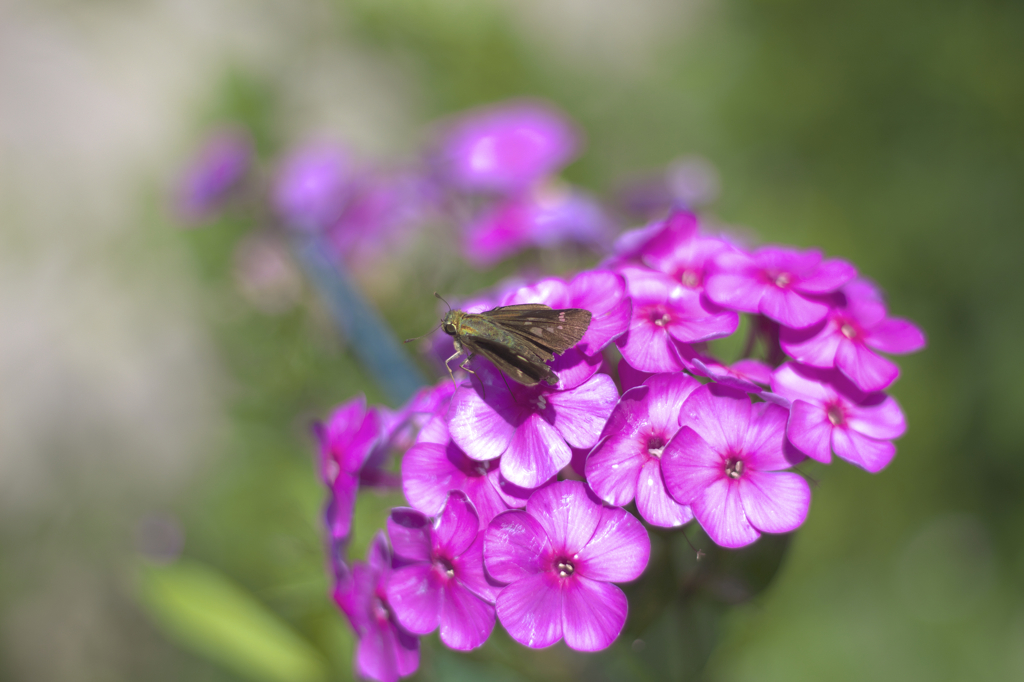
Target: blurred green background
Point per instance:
(147, 410)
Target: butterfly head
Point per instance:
(450, 323)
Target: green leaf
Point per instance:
(204, 611)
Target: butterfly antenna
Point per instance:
(427, 334)
(438, 297)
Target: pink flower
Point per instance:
(214, 174)
(626, 463)
(725, 464)
(507, 147)
(831, 414)
(783, 284)
(441, 581)
(385, 651)
(856, 324)
(665, 315)
(559, 558)
(530, 428)
(435, 465)
(312, 187)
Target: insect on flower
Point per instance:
(518, 339)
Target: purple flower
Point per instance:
(530, 428)
(783, 284)
(626, 463)
(347, 440)
(216, 171)
(558, 558)
(442, 580)
(855, 325)
(507, 147)
(725, 464)
(744, 375)
(666, 314)
(386, 651)
(312, 187)
(435, 465)
(545, 217)
(831, 414)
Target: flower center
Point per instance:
(380, 609)
(660, 318)
(540, 402)
(480, 469)
(690, 278)
(835, 415)
(655, 446)
(848, 330)
(445, 566)
(564, 568)
(734, 467)
(783, 280)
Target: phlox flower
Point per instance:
(312, 187)
(626, 463)
(530, 427)
(725, 464)
(679, 251)
(441, 581)
(385, 651)
(829, 414)
(216, 171)
(507, 147)
(544, 217)
(558, 559)
(665, 315)
(855, 325)
(746, 375)
(782, 284)
(435, 465)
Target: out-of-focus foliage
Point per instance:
(891, 134)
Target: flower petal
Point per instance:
(815, 345)
(603, 293)
(790, 308)
(774, 502)
(386, 653)
(530, 610)
(514, 544)
(720, 513)
(629, 376)
(896, 335)
(734, 288)
(466, 619)
(648, 347)
(567, 514)
(796, 382)
(721, 415)
(593, 613)
(667, 394)
(410, 532)
(483, 491)
(653, 501)
(469, 569)
(483, 427)
(870, 372)
(689, 466)
(828, 277)
(457, 526)
(613, 466)
(881, 421)
(810, 430)
(428, 475)
(536, 453)
(618, 551)
(764, 447)
(867, 453)
(581, 413)
(414, 595)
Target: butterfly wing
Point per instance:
(521, 360)
(553, 331)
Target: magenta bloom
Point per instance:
(507, 147)
(746, 375)
(530, 428)
(831, 414)
(666, 314)
(782, 284)
(855, 325)
(559, 558)
(435, 465)
(680, 252)
(725, 464)
(441, 581)
(386, 651)
(312, 187)
(216, 171)
(626, 463)
(348, 440)
(544, 218)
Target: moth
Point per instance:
(518, 339)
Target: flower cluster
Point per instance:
(500, 525)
